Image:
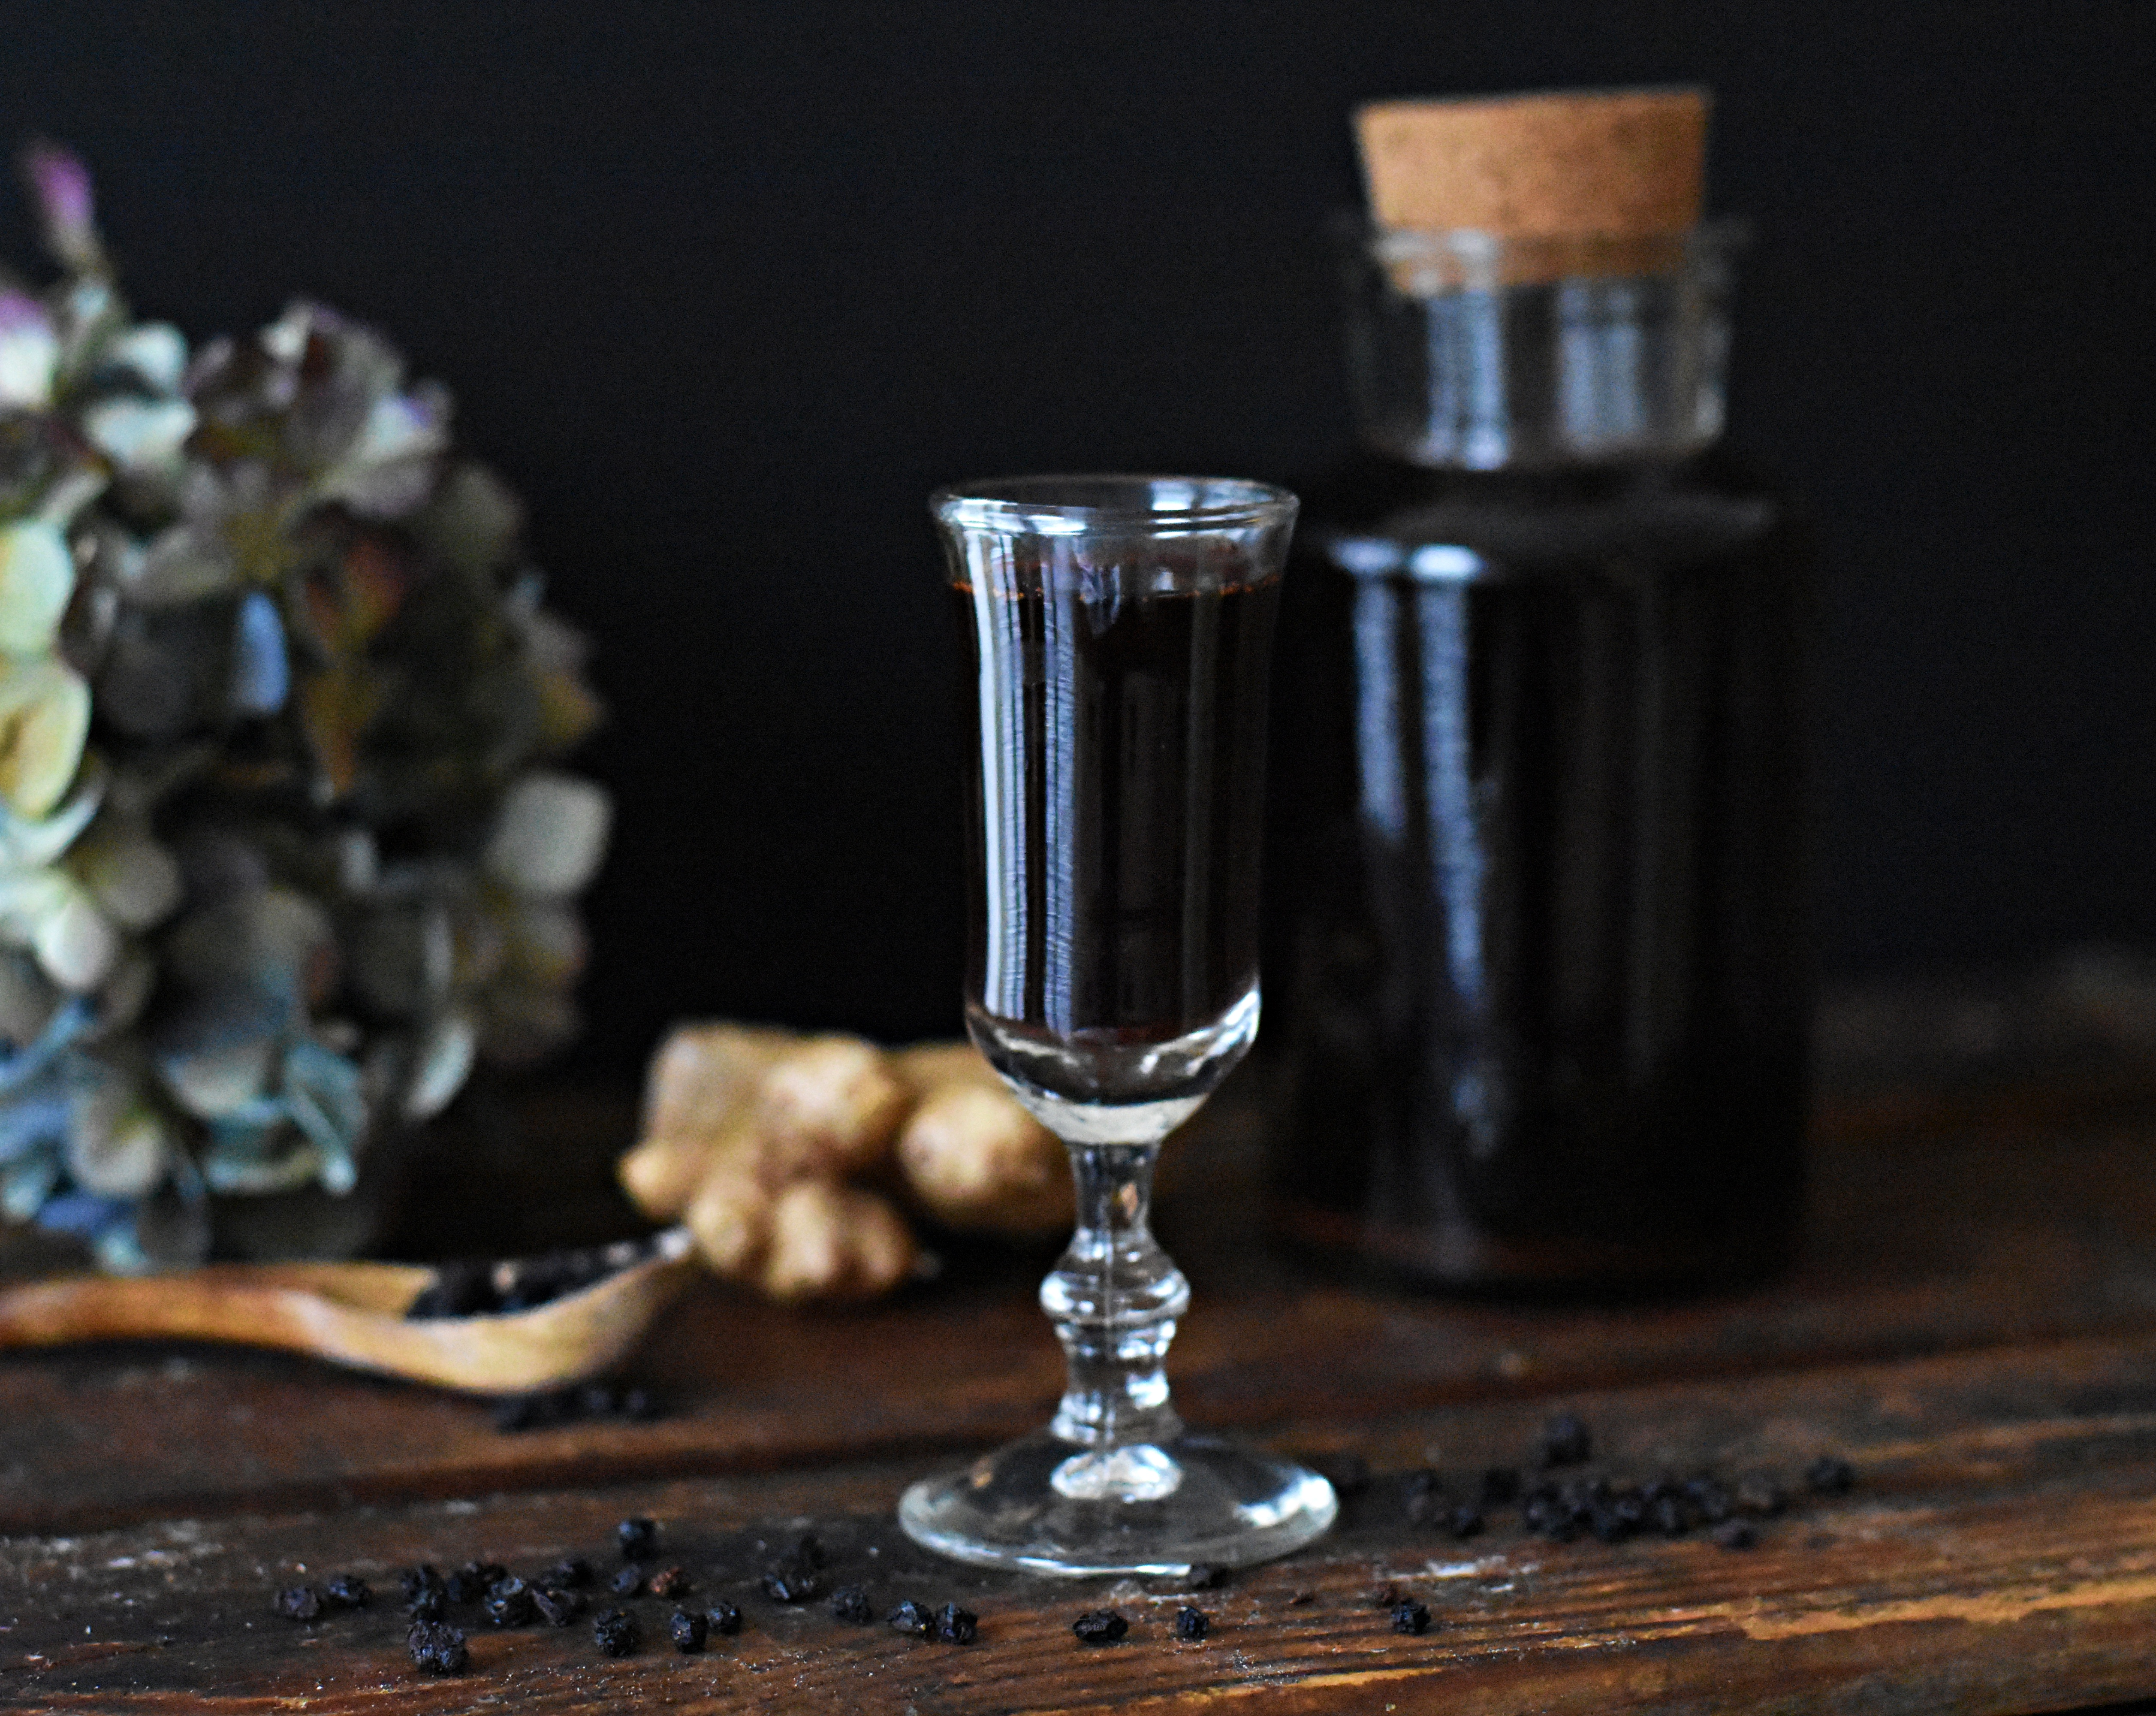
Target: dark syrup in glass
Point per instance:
(1114, 837)
(1535, 962)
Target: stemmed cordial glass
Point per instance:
(1121, 633)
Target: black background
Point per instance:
(725, 288)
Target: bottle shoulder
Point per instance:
(1372, 514)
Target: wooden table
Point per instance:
(1973, 1326)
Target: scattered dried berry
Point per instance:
(615, 1632)
(303, 1602)
(471, 1582)
(629, 1582)
(910, 1618)
(956, 1625)
(1100, 1626)
(557, 1607)
(668, 1582)
(1544, 1510)
(1712, 1501)
(418, 1581)
(1762, 1498)
(850, 1603)
(688, 1631)
(570, 1574)
(1423, 1497)
(1411, 1616)
(1565, 1441)
(1500, 1486)
(638, 1538)
(792, 1582)
(429, 1605)
(510, 1603)
(1736, 1534)
(1208, 1576)
(1610, 1523)
(1191, 1623)
(1830, 1476)
(725, 1619)
(437, 1648)
(347, 1590)
(540, 1411)
(459, 1289)
(469, 1288)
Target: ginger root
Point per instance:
(759, 1141)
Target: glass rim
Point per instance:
(1051, 505)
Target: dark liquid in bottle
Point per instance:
(1115, 843)
(1535, 956)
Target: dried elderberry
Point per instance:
(459, 1289)
(688, 1631)
(437, 1648)
(850, 1603)
(1762, 1498)
(510, 1603)
(471, 1582)
(638, 1538)
(413, 1580)
(725, 1619)
(629, 1582)
(1423, 1497)
(615, 1632)
(1710, 1499)
(1192, 1624)
(348, 1590)
(668, 1582)
(956, 1625)
(570, 1575)
(792, 1582)
(910, 1618)
(1829, 1475)
(557, 1607)
(1100, 1626)
(1565, 1441)
(1411, 1616)
(302, 1602)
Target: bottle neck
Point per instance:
(1468, 352)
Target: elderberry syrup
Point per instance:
(1120, 633)
(1535, 963)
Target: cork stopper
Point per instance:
(1620, 163)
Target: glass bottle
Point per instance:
(1536, 974)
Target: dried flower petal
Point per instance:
(550, 835)
(29, 352)
(37, 578)
(65, 206)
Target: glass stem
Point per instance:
(1114, 1299)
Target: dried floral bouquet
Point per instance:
(282, 850)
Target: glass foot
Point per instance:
(1050, 1505)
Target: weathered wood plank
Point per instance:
(2000, 1554)
(1920, 1244)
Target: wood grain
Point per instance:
(1999, 1554)
(1918, 1243)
